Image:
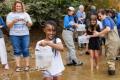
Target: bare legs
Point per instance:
(94, 60)
(26, 61)
(18, 61)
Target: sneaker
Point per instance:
(70, 64)
(111, 71)
(79, 64)
(27, 68)
(87, 53)
(6, 67)
(18, 69)
(118, 58)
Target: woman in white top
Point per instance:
(18, 21)
(55, 45)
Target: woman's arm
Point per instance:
(29, 24)
(10, 24)
(29, 21)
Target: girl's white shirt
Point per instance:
(57, 65)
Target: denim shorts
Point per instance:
(20, 45)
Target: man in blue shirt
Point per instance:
(112, 39)
(67, 34)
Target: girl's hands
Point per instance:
(44, 43)
(58, 46)
(95, 34)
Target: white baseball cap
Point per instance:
(71, 8)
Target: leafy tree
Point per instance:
(4, 9)
(41, 10)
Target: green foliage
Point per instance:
(46, 9)
(4, 9)
(101, 3)
(42, 10)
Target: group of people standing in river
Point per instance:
(98, 24)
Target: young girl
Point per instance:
(94, 42)
(52, 42)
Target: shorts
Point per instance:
(20, 45)
(48, 74)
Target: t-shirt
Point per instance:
(19, 28)
(100, 24)
(108, 22)
(68, 22)
(80, 16)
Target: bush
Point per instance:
(4, 9)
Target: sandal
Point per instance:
(18, 69)
(27, 68)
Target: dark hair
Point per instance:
(90, 28)
(112, 11)
(93, 16)
(102, 11)
(50, 22)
